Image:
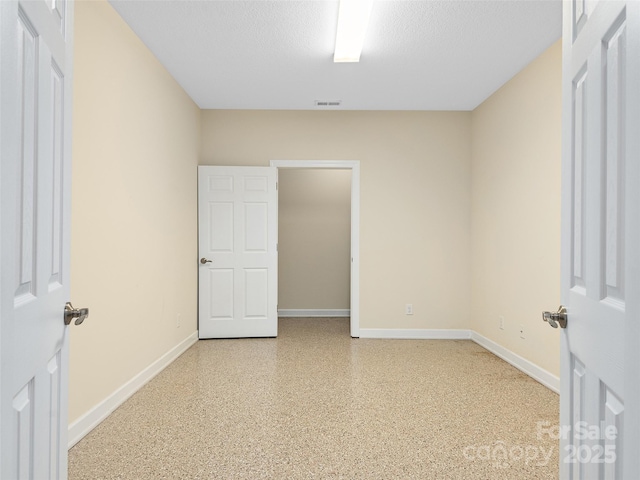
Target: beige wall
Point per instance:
(314, 238)
(516, 138)
(415, 198)
(135, 148)
(435, 187)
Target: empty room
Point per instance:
(232, 249)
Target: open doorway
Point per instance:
(314, 237)
(319, 239)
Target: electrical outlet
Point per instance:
(521, 331)
(178, 320)
(408, 309)
(501, 320)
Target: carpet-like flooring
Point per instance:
(317, 404)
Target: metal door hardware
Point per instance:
(78, 313)
(205, 260)
(556, 318)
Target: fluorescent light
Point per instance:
(353, 18)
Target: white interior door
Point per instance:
(598, 231)
(237, 236)
(35, 132)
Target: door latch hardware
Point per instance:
(78, 313)
(556, 318)
(205, 260)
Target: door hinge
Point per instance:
(276, 185)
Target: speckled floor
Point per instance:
(316, 404)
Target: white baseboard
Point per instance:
(416, 333)
(309, 312)
(91, 419)
(534, 371)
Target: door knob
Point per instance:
(205, 260)
(556, 318)
(78, 313)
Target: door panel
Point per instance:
(595, 228)
(256, 235)
(36, 58)
(256, 281)
(221, 239)
(221, 288)
(238, 234)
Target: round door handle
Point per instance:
(205, 260)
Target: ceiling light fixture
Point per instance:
(353, 18)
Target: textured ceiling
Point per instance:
(418, 55)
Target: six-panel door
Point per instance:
(594, 239)
(36, 56)
(238, 258)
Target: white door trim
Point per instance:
(354, 166)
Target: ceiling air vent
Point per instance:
(328, 103)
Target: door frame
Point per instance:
(354, 166)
